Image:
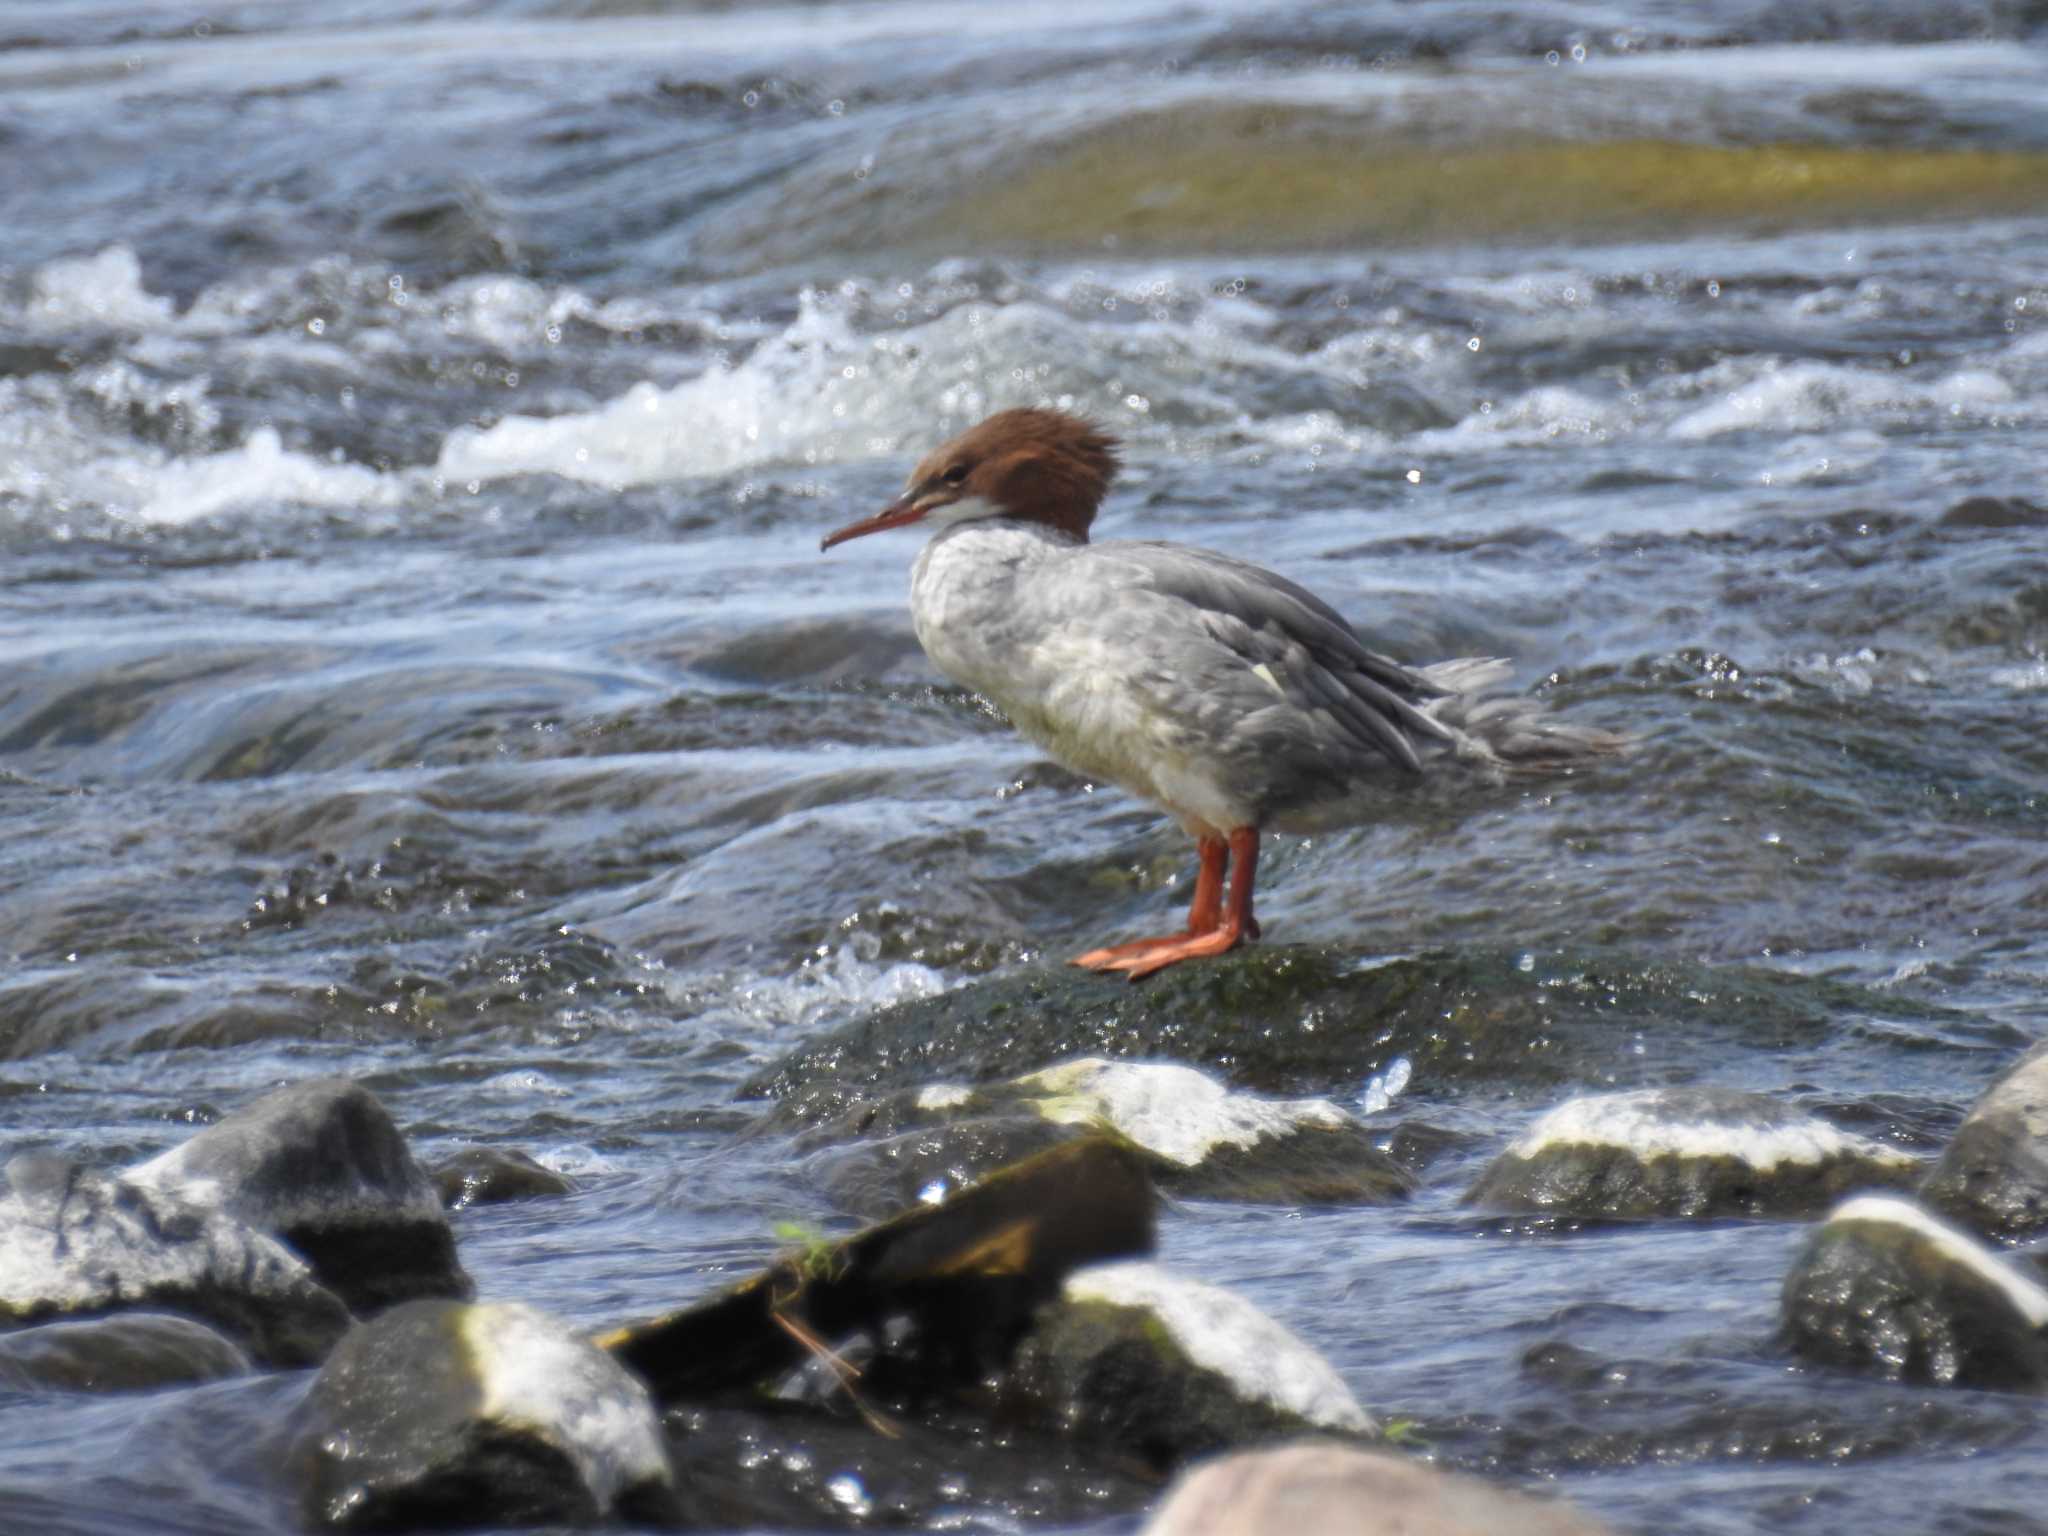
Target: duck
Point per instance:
(1229, 696)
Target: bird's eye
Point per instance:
(956, 474)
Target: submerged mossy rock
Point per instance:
(1993, 1175)
(1324, 1489)
(955, 1282)
(1203, 1139)
(1885, 1287)
(1697, 1152)
(1293, 1019)
(1167, 1368)
(129, 1352)
(446, 1414)
(321, 1165)
(75, 1243)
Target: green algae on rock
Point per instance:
(1267, 178)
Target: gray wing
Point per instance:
(1304, 646)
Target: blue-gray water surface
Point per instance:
(416, 426)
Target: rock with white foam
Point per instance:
(320, 1165)
(1993, 1175)
(1167, 1368)
(1321, 1489)
(1694, 1152)
(1885, 1286)
(1201, 1138)
(76, 1243)
(454, 1413)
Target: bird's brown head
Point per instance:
(1036, 465)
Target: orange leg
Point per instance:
(1206, 910)
(1213, 926)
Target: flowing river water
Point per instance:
(416, 426)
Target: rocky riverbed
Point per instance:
(432, 748)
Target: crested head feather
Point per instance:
(1039, 465)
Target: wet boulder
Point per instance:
(75, 1243)
(949, 1286)
(1321, 1489)
(444, 1413)
(491, 1175)
(320, 1165)
(1884, 1286)
(1294, 1019)
(1202, 1138)
(128, 1352)
(1166, 1368)
(1696, 1152)
(1993, 1175)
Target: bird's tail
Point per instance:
(1517, 735)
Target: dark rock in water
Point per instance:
(75, 1244)
(772, 1467)
(442, 1413)
(1292, 1019)
(1993, 1176)
(1339, 1490)
(1700, 1152)
(877, 1178)
(1203, 1140)
(488, 1175)
(1883, 1286)
(1995, 512)
(965, 1274)
(132, 1352)
(1167, 1368)
(320, 1164)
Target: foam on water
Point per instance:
(1805, 397)
(845, 982)
(822, 391)
(101, 291)
(261, 472)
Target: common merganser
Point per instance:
(1230, 697)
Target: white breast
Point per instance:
(987, 601)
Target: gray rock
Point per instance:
(1339, 1490)
(1167, 1368)
(489, 1175)
(131, 1352)
(1993, 1176)
(1884, 1286)
(442, 1413)
(1699, 1152)
(1203, 1139)
(76, 1243)
(320, 1165)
